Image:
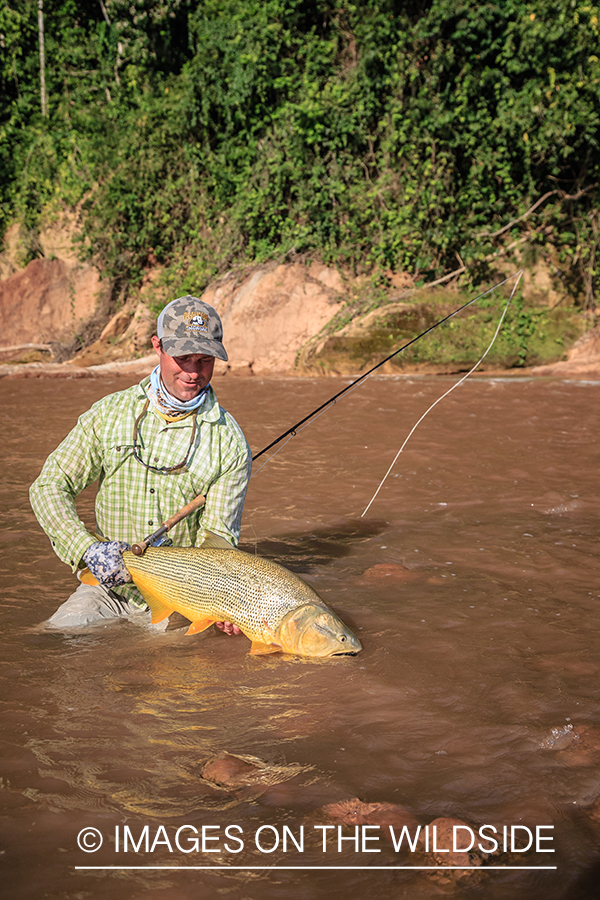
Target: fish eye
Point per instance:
(343, 638)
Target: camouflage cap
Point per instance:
(188, 325)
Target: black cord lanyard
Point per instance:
(162, 470)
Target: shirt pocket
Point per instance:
(116, 454)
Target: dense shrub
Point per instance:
(379, 134)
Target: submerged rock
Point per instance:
(445, 840)
(230, 770)
(355, 812)
(581, 747)
(252, 777)
(390, 571)
(470, 864)
(559, 738)
(435, 843)
(593, 811)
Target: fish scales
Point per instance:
(227, 585)
(217, 583)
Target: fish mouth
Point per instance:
(346, 653)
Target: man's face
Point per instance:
(184, 376)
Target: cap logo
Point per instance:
(196, 322)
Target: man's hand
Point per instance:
(106, 564)
(228, 628)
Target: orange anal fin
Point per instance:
(259, 649)
(200, 625)
(86, 577)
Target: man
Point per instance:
(153, 448)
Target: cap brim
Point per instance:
(187, 346)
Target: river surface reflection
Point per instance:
(472, 583)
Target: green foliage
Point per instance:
(380, 135)
(530, 335)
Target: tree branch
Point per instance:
(104, 13)
(490, 258)
(44, 99)
(520, 219)
(563, 196)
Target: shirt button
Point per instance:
(151, 490)
(118, 448)
(151, 522)
(156, 459)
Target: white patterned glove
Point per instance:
(106, 564)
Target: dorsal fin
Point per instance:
(212, 541)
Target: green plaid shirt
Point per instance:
(133, 501)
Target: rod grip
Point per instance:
(186, 511)
(141, 546)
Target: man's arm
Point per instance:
(74, 465)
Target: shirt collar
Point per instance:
(210, 411)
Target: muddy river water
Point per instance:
(473, 584)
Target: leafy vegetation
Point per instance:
(530, 335)
(381, 135)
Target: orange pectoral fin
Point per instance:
(159, 612)
(86, 577)
(159, 607)
(259, 649)
(200, 625)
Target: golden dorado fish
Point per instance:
(272, 606)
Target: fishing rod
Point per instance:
(293, 430)
(140, 547)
